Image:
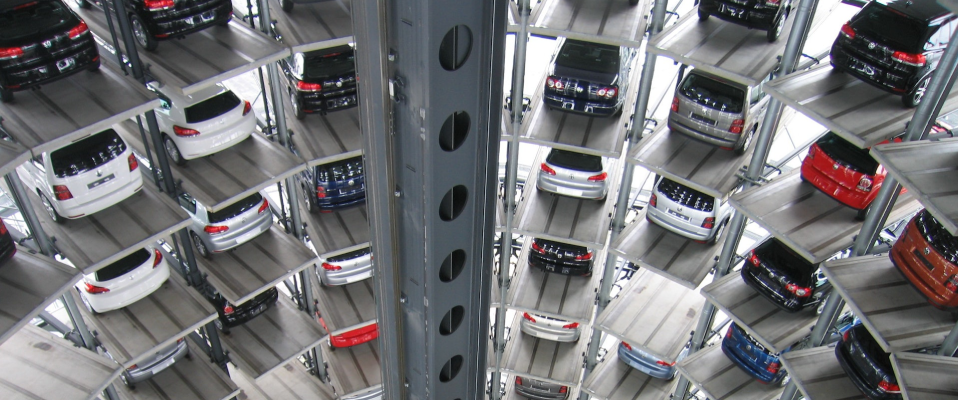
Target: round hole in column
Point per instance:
(454, 131)
(450, 369)
(455, 47)
(451, 321)
(452, 265)
(453, 203)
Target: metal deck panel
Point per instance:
(614, 380)
(28, 284)
(345, 307)
(555, 295)
(775, 328)
(195, 378)
(543, 359)
(926, 169)
(312, 26)
(35, 364)
(335, 231)
(95, 241)
(354, 370)
(860, 113)
(603, 21)
(817, 374)
(292, 381)
(675, 257)
(138, 330)
(719, 378)
(950, 4)
(248, 270)
(321, 139)
(806, 219)
(898, 316)
(925, 376)
(11, 155)
(653, 314)
(70, 109)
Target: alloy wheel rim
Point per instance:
(200, 246)
(172, 150)
(920, 90)
(139, 32)
(47, 205)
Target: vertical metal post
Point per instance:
(149, 152)
(116, 44)
(19, 195)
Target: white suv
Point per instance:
(688, 212)
(83, 177)
(124, 282)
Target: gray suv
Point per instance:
(717, 111)
(238, 223)
(688, 212)
(574, 174)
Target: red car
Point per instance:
(354, 337)
(928, 256)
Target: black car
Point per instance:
(333, 186)
(321, 80)
(41, 41)
(867, 364)
(156, 20)
(767, 15)
(785, 278)
(588, 78)
(895, 45)
(232, 315)
(562, 258)
(7, 246)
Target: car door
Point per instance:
(188, 203)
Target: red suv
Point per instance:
(928, 256)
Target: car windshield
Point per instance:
(847, 154)
(713, 94)
(589, 56)
(576, 161)
(891, 27)
(212, 107)
(123, 265)
(236, 208)
(937, 236)
(319, 66)
(24, 20)
(87, 154)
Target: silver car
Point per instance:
(574, 174)
(540, 390)
(717, 111)
(688, 212)
(238, 223)
(154, 364)
(549, 328)
(349, 267)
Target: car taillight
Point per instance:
(708, 223)
(320, 192)
(663, 363)
(798, 290)
(865, 184)
(728, 333)
(228, 309)
(627, 346)
(536, 247)
(78, 30)
(547, 169)
(772, 2)
(331, 267)
(528, 317)
(607, 92)
(551, 82)
(181, 131)
(563, 389)
(846, 335)
(652, 200)
(132, 367)
(598, 178)
(246, 107)
(675, 104)
(848, 31)
(158, 258)
(62, 192)
(214, 229)
(888, 387)
(737, 126)
(95, 289)
(309, 87)
(952, 283)
(158, 5)
(518, 381)
(9, 53)
(915, 60)
(773, 367)
(263, 207)
(3, 227)
(131, 160)
(180, 340)
(754, 259)
(584, 257)
(571, 326)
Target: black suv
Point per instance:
(230, 315)
(767, 15)
(333, 186)
(785, 278)
(41, 41)
(895, 45)
(867, 365)
(562, 258)
(155, 20)
(321, 80)
(589, 78)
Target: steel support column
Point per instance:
(20, 199)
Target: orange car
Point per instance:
(928, 256)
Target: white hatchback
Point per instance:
(124, 282)
(203, 123)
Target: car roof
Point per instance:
(925, 10)
(198, 96)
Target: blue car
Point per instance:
(751, 356)
(647, 363)
(334, 186)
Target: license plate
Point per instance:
(546, 337)
(259, 310)
(66, 64)
(231, 138)
(550, 268)
(568, 192)
(356, 278)
(568, 105)
(861, 67)
(166, 364)
(99, 182)
(245, 238)
(677, 215)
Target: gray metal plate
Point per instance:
(138, 330)
(11, 155)
(345, 307)
(614, 380)
(248, 270)
(680, 259)
(35, 364)
(950, 4)
(806, 219)
(188, 379)
(28, 284)
(321, 139)
(898, 316)
(775, 328)
(719, 378)
(561, 296)
(817, 374)
(292, 381)
(273, 338)
(653, 314)
(354, 370)
(332, 232)
(543, 359)
(309, 26)
(603, 21)
(925, 376)
(926, 169)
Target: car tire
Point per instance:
(52, 212)
(776, 30)
(6, 95)
(142, 35)
(914, 96)
(860, 216)
(748, 141)
(287, 5)
(297, 106)
(226, 22)
(220, 327)
(126, 382)
(718, 232)
(172, 151)
(703, 15)
(86, 303)
(199, 245)
(310, 204)
(95, 66)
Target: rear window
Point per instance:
(33, 18)
(785, 260)
(847, 154)
(87, 154)
(319, 66)
(340, 170)
(937, 236)
(350, 255)
(212, 107)
(713, 94)
(576, 161)
(123, 265)
(874, 350)
(236, 208)
(589, 56)
(686, 196)
(892, 28)
(550, 244)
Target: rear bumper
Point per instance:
(248, 312)
(596, 191)
(23, 77)
(204, 145)
(539, 395)
(579, 268)
(355, 337)
(648, 367)
(344, 276)
(147, 372)
(168, 25)
(218, 243)
(855, 376)
(849, 197)
(73, 209)
(678, 125)
(330, 204)
(754, 370)
(312, 102)
(679, 226)
(918, 274)
(580, 106)
(882, 78)
(122, 297)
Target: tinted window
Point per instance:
(351, 255)
(937, 236)
(319, 66)
(576, 161)
(212, 107)
(589, 56)
(686, 196)
(124, 265)
(237, 208)
(87, 154)
(847, 154)
(891, 27)
(786, 261)
(713, 94)
(33, 18)
(340, 170)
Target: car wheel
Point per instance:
(297, 107)
(860, 216)
(785, 380)
(52, 212)
(913, 97)
(126, 381)
(748, 142)
(95, 66)
(141, 34)
(199, 245)
(226, 22)
(220, 327)
(309, 205)
(703, 15)
(173, 151)
(287, 5)
(6, 95)
(718, 233)
(86, 303)
(776, 31)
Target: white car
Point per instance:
(549, 328)
(123, 282)
(203, 123)
(83, 177)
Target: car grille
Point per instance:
(686, 196)
(937, 236)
